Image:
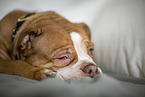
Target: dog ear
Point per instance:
(86, 28)
(23, 43)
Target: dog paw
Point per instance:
(43, 74)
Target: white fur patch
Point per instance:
(80, 49)
(49, 73)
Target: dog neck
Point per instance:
(20, 21)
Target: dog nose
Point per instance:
(91, 69)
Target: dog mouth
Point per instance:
(69, 73)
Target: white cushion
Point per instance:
(119, 37)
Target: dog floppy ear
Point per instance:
(22, 45)
(86, 28)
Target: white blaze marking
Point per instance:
(81, 49)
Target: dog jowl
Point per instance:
(44, 45)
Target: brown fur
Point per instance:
(48, 33)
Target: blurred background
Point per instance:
(74, 10)
(117, 26)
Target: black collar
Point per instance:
(19, 24)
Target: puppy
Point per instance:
(44, 45)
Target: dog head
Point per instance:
(47, 40)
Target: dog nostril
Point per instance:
(90, 69)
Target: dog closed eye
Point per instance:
(63, 58)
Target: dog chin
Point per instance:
(69, 73)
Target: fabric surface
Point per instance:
(100, 86)
(119, 37)
(117, 29)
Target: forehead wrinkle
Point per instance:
(50, 40)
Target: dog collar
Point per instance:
(20, 21)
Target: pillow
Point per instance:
(119, 37)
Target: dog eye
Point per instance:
(63, 58)
(91, 51)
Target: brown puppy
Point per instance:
(41, 45)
